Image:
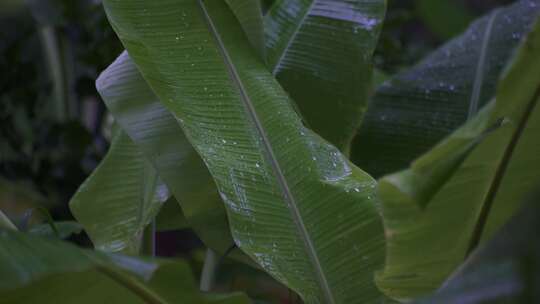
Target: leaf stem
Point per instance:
(49, 42)
(147, 295)
(209, 270)
(6, 223)
(499, 175)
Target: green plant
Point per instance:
(246, 121)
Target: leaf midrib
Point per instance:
(141, 291)
(287, 195)
(500, 173)
(292, 37)
(480, 67)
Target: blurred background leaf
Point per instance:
(51, 271)
(504, 270)
(458, 194)
(416, 108)
(445, 18)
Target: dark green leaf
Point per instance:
(170, 217)
(470, 192)
(505, 270)
(64, 229)
(320, 51)
(249, 14)
(445, 18)
(416, 109)
(44, 270)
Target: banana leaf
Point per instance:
(171, 217)
(60, 229)
(42, 270)
(457, 195)
(161, 140)
(250, 16)
(119, 199)
(295, 204)
(321, 52)
(419, 107)
(504, 270)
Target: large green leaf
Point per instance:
(456, 196)
(39, 270)
(249, 14)
(295, 204)
(505, 270)
(160, 138)
(119, 198)
(320, 51)
(416, 109)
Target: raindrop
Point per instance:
(506, 121)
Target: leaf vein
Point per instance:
(287, 194)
